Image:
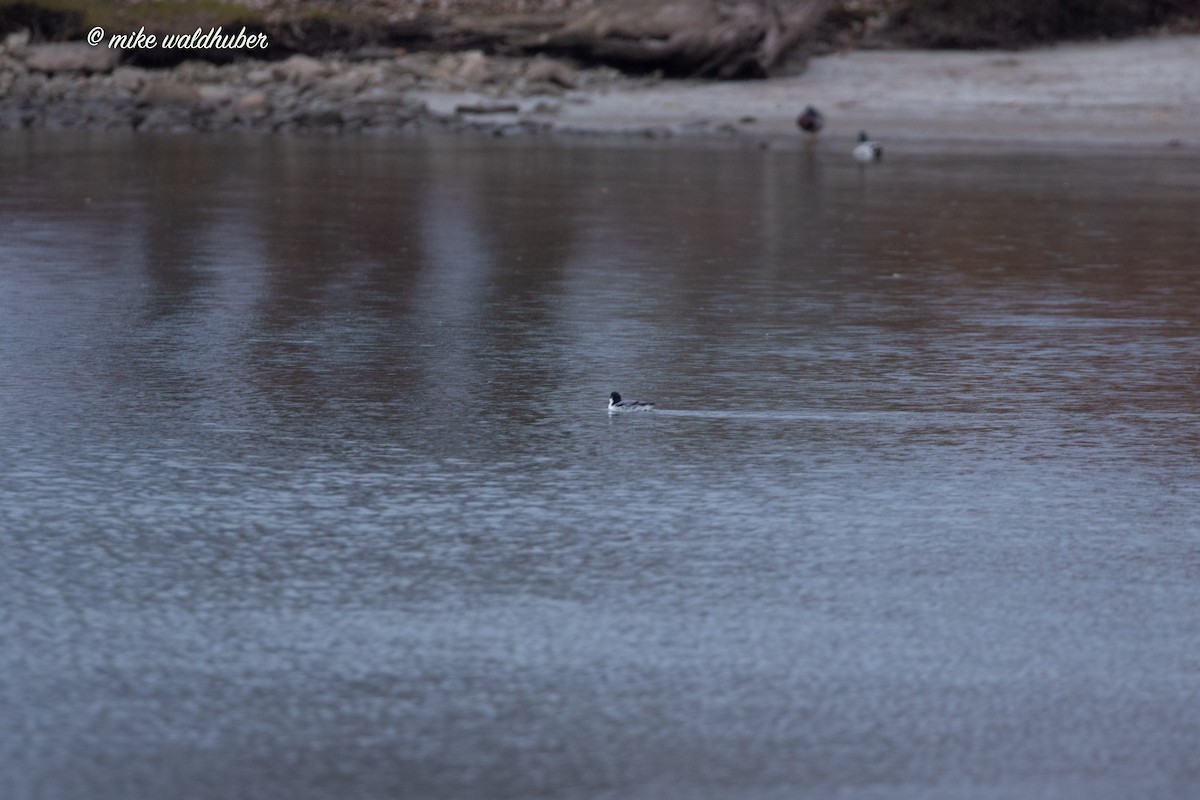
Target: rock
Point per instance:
(284, 98)
(163, 118)
(221, 120)
(487, 108)
(409, 112)
(383, 111)
(70, 57)
(254, 102)
(545, 70)
(168, 93)
(473, 68)
(440, 70)
(216, 94)
(402, 82)
(259, 77)
(409, 67)
(299, 69)
(131, 79)
(320, 118)
(15, 41)
(346, 82)
(379, 96)
(374, 75)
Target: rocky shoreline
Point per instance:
(71, 85)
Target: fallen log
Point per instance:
(682, 38)
(696, 38)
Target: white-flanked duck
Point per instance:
(866, 150)
(615, 404)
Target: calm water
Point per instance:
(307, 487)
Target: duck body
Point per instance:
(617, 405)
(810, 120)
(866, 150)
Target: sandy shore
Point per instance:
(1142, 93)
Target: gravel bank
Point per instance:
(56, 87)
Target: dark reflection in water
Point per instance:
(307, 488)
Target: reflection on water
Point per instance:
(308, 489)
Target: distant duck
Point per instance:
(615, 403)
(866, 150)
(810, 121)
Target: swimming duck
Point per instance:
(810, 120)
(615, 403)
(866, 150)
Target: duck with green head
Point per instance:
(867, 150)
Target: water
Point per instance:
(307, 487)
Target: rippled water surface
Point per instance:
(308, 490)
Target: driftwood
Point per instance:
(701, 38)
(694, 38)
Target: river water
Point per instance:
(308, 489)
